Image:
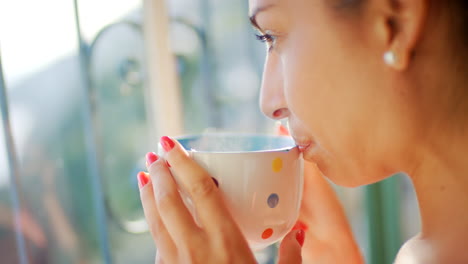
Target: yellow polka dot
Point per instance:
(277, 164)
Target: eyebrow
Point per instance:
(253, 16)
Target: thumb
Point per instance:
(290, 248)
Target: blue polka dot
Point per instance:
(273, 200)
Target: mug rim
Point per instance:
(237, 135)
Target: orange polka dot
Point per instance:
(267, 233)
(277, 164)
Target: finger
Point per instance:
(159, 260)
(161, 237)
(174, 214)
(200, 186)
(300, 225)
(281, 130)
(291, 247)
(327, 211)
(325, 216)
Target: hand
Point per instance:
(329, 238)
(217, 239)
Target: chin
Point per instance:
(349, 182)
(343, 174)
(352, 177)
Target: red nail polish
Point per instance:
(300, 237)
(167, 164)
(143, 179)
(300, 225)
(282, 131)
(151, 157)
(167, 143)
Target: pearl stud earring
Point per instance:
(389, 58)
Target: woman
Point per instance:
(369, 88)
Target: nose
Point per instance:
(272, 99)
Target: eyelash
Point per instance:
(266, 38)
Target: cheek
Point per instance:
(329, 89)
(313, 83)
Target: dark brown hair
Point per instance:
(457, 10)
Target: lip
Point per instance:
(303, 146)
(302, 139)
(308, 149)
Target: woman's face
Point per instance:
(324, 72)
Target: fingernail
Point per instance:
(300, 225)
(167, 164)
(281, 130)
(167, 143)
(143, 179)
(151, 157)
(300, 237)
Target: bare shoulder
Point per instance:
(420, 251)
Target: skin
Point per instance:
(174, 231)
(356, 117)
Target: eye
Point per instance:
(265, 37)
(268, 39)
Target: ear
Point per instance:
(404, 28)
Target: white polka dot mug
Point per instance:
(260, 177)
